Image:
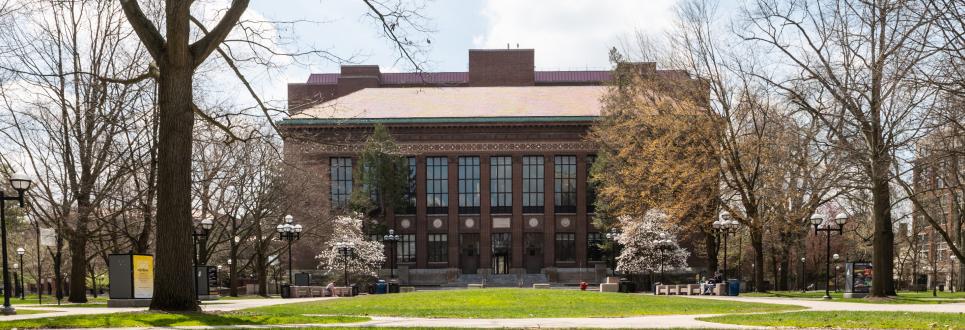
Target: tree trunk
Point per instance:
(757, 242)
(261, 271)
(78, 266)
(882, 284)
(710, 242)
(174, 225)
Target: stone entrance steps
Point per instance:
(499, 280)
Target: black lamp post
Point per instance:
(346, 250)
(20, 252)
(200, 237)
(664, 248)
(834, 258)
(612, 237)
(392, 238)
(725, 226)
(20, 183)
(289, 232)
(820, 225)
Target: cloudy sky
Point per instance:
(567, 34)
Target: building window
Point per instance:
(437, 185)
(593, 250)
(590, 186)
(341, 180)
(410, 194)
(533, 184)
(438, 248)
(565, 247)
(501, 184)
(565, 182)
(405, 250)
(469, 185)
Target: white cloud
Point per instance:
(570, 33)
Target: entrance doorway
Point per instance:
(501, 253)
(533, 252)
(469, 253)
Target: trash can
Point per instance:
(627, 286)
(381, 287)
(355, 290)
(393, 287)
(286, 291)
(733, 287)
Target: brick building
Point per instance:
(939, 183)
(497, 158)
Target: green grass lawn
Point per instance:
(158, 319)
(902, 298)
(27, 311)
(865, 320)
(100, 301)
(518, 303)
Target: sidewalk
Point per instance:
(212, 306)
(823, 305)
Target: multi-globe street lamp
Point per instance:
(821, 225)
(612, 236)
(289, 232)
(346, 250)
(200, 237)
(20, 252)
(725, 226)
(664, 247)
(393, 239)
(20, 183)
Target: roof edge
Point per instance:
(433, 120)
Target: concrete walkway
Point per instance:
(824, 305)
(209, 306)
(650, 322)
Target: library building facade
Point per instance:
(497, 157)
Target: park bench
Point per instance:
(475, 286)
(541, 285)
(406, 289)
(342, 291)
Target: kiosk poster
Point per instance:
(143, 276)
(862, 273)
(212, 280)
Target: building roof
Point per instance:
(458, 104)
(408, 78)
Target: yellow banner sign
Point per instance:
(143, 276)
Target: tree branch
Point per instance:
(203, 47)
(146, 31)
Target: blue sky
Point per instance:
(567, 34)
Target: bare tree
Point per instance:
(851, 66)
(67, 122)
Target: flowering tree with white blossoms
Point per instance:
(367, 256)
(647, 246)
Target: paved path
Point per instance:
(823, 305)
(220, 306)
(661, 321)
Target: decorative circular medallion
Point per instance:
(533, 222)
(437, 223)
(470, 222)
(406, 223)
(565, 222)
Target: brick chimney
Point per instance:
(355, 77)
(501, 67)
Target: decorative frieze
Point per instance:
(415, 149)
